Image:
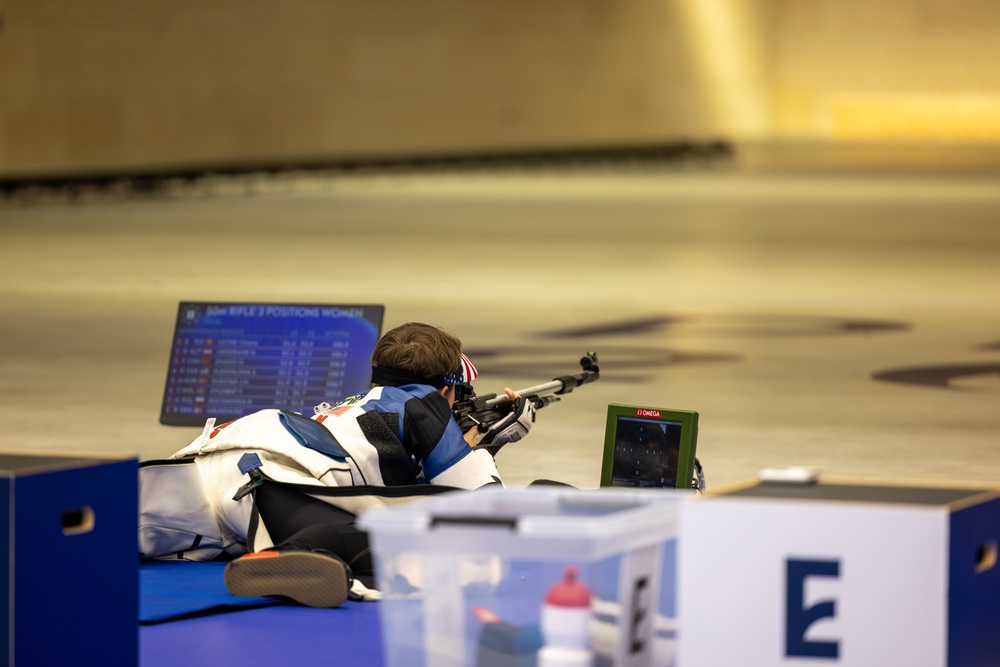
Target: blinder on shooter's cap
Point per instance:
(466, 372)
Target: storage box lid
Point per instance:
(870, 493)
(529, 523)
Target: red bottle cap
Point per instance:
(569, 592)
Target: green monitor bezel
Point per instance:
(688, 420)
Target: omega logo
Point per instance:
(643, 412)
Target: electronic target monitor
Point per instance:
(230, 359)
(649, 447)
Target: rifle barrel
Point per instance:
(527, 391)
(558, 386)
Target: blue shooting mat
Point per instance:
(171, 590)
(289, 634)
(269, 631)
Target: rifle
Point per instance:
(471, 410)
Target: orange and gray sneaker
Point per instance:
(312, 578)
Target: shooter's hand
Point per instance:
(476, 431)
(511, 428)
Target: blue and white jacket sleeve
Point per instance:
(432, 436)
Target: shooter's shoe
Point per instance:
(312, 578)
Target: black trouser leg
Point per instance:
(297, 521)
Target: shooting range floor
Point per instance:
(848, 321)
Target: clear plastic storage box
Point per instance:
(464, 575)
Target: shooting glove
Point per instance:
(511, 428)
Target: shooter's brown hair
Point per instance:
(417, 348)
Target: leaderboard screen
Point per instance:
(230, 359)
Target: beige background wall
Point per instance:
(902, 70)
(116, 85)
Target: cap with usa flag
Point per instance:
(466, 372)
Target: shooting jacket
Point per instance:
(390, 445)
